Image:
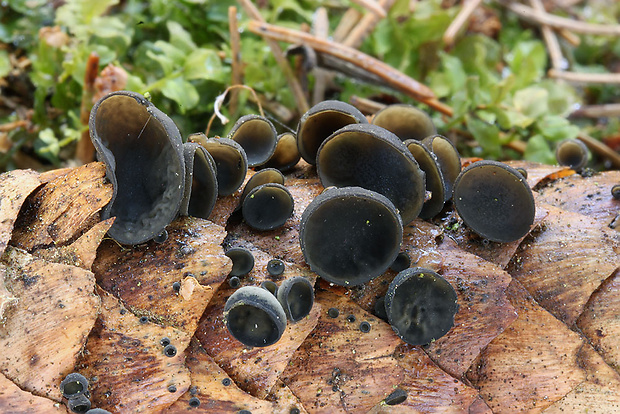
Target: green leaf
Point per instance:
(5, 63)
(204, 64)
(527, 61)
(452, 66)
(77, 15)
(538, 150)
(182, 92)
(180, 38)
(47, 145)
(487, 135)
(531, 102)
(557, 128)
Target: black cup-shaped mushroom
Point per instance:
(371, 157)
(254, 316)
(257, 136)
(142, 149)
(200, 182)
(80, 404)
(243, 261)
(495, 201)
(434, 179)
(296, 295)
(268, 175)
(406, 121)
(286, 155)
(267, 206)
(572, 153)
(448, 158)
(73, 385)
(270, 286)
(322, 120)
(420, 305)
(231, 163)
(350, 235)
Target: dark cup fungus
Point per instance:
(522, 171)
(420, 305)
(73, 385)
(97, 411)
(322, 120)
(434, 179)
(142, 150)
(615, 191)
(243, 261)
(234, 282)
(350, 235)
(254, 317)
(270, 286)
(448, 158)
(402, 262)
(379, 309)
(268, 175)
(296, 295)
(572, 153)
(286, 155)
(79, 404)
(398, 396)
(495, 201)
(267, 206)
(406, 121)
(257, 136)
(200, 182)
(275, 267)
(231, 163)
(371, 157)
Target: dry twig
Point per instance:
(298, 93)
(365, 26)
(374, 67)
(597, 111)
(459, 21)
(348, 21)
(321, 77)
(235, 50)
(608, 78)
(373, 6)
(553, 46)
(600, 149)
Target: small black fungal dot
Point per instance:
(161, 237)
(396, 397)
(351, 318)
(193, 390)
(333, 312)
(123, 311)
(234, 282)
(402, 262)
(165, 341)
(170, 350)
(365, 327)
(275, 267)
(194, 402)
(176, 286)
(294, 410)
(172, 388)
(144, 319)
(226, 382)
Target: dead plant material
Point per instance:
(129, 368)
(14, 400)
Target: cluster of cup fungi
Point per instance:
(74, 387)
(378, 177)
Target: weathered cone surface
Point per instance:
(536, 330)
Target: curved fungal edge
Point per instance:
(285, 288)
(343, 192)
(380, 133)
(262, 187)
(105, 155)
(189, 152)
(250, 118)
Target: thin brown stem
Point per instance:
(348, 21)
(459, 21)
(372, 66)
(533, 15)
(372, 6)
(365, 105)
(235, 50)
(600, 149)
(553, 46)
(298, 93)
(606, 78)
(598, 111)
(321, 77)
(365, 26)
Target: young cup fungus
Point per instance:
(420, 305)
(350, 235)
(257, 136)
(200, 182)
(322, 120)
(373, 158)
(231, 162)
(435, 183)
(268, 175)
(286, 155)
(296, 295)
(243, 261)
(495, 201)
(405, 121)
(254, 317)
(267, 206)
(572, 153)
(143, 153)
(448, 158)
